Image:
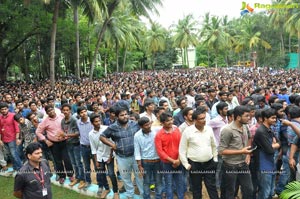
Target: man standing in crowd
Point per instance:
(103, 157)
(122, 133)
(9, 133)
(198, 154)
(235, 154)
(33, 180)
(55, 140)
(85, 126)
(167, 146)
(147, 158)
(266, 143)
(69, 126)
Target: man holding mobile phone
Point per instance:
(266, 143)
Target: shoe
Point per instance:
(81, 184)
(116, 196)
(275, 196)
(4, 168)
(87, 185)
(105, 193)
(72, 179)
(61, 180)
(122, 189)
(152, 188)
(99, 192)
(75, 181)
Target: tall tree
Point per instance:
(139, 7)
(186, 35)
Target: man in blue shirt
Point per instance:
(122, 133)
(147, 158)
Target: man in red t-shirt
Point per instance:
(167, 146)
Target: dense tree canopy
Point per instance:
(92, 38)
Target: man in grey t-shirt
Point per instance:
(235, 153)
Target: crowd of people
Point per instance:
(232, 129)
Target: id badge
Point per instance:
(45, 192)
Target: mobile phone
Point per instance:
(253, 148)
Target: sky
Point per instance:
(173, 10)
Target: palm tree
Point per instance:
(186, 35)
(155, 40)
(214, 36)
(277, 19)
(122, 31)
(248, 38)
(292, 26)
(139, 7)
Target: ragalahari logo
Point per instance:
(246, 8)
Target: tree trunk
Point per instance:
(111, 9)
(282, 43)
(3, 68)
(117, 56)
(52, 48)
(124, 58)
(290, 43)
(77, 64)
(187, 57)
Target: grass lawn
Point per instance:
(57, 192)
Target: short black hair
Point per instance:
(47, 107)
(17, 117)
(3, 105)
(186, 111)
(81, 108)
(119, 110)
(164, 116)
(94, 116)
(32, 147)
(239, 111)
(220, 106)
(32, 102)
(66, 105)
(143, 120)
(197, 112)
(267, 113)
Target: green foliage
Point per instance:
(291, 191)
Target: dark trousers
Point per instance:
(234, 173)
(61, 159)
(111, 173)
(207, 172)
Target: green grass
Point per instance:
(7, 187)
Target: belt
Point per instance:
(74, 144)
(235, 165)
(155, 160)
(86, 146)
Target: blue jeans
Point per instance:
(74, 154)
(173, 175)
(265, 188)
(152, 169)
(284, 175)
(16, 160)
(86, 155)
(126, 166)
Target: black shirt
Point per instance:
(30, 185)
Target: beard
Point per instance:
(122, 122)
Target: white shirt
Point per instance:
(190, 101)
(199, 146)
(97, 147)
(151, 117)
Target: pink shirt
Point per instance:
(216, 124)
(8, 128)
(52, 126)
